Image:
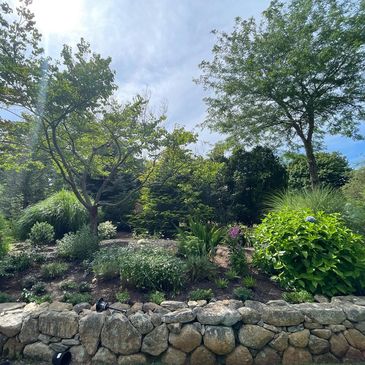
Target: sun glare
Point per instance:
(58, 16)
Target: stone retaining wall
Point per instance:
(196, 333)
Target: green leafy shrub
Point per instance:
(232, 274)
(39, 288)
(151, 269)
(28, 296)
(249, 281)
(78, 246)
(123, 296)
(69, 285)
(106, 263)
(201, 239)
(156, 297)
(42, 233)
(321, 257)
(222, 283)
(199, 268)
(12, 264)
(5, 236)
(238, 260)
(300, 296)
(201, 294)
(54, 270)
(61, 210)
(76, 298)
(4, 297)
(107, 230)
(84, 287)
(242, 293)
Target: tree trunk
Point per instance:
(312, 164)
(93, 217)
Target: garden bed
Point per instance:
(81, 272)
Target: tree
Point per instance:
(295, 77)
(247, 179)
(178, 188)
(333, 170)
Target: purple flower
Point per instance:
(234, 232)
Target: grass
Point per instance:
(54, 270)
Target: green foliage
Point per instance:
(76, 298)
(5, 236)
(295, 76)
(249, 281)
(123, 296)
(39, 288)
(85, 287)
(232, 274)
(179, 187)
(200, 268)
(69, 285)
(107, 230)
(54, 270)
(333, 170)
(156, 297)
(12, 264)
(245, 180)
(222, 283)
(4, 297)
(238, 260)
(355, 188)
(151, 269)
(300, 296)
(242, 293)
(321, 257)
(81, 245)
(201, 294)
(61, 210)
(106, 263)
(42, 233)
(28, 296)
(318, 199)
(200, 240)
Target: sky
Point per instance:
(156, 47)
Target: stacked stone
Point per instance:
(222, 332)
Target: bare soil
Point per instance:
(264, 290)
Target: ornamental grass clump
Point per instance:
(321, 256)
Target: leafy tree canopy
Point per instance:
(333, 170)
(294, 77)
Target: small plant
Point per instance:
(28, 296)
(76, 298)
(123, 296)
(231, 274)
(106, 263)
(5, 236)
(42, 233)
(29, 281)
(19, 262)
(4, 297)
(201, 294)
(199, 268)
(78, 246)
(54, 270)
(222, 283)
(107, 230)
(39, 288)
(299, 296)
(69, 285)
(84, 287)
(242, 293)
(238, 260)
(156, 297)
(249, 281)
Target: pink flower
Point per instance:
(234, 232)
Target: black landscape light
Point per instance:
(61, 358)
(102, 305)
